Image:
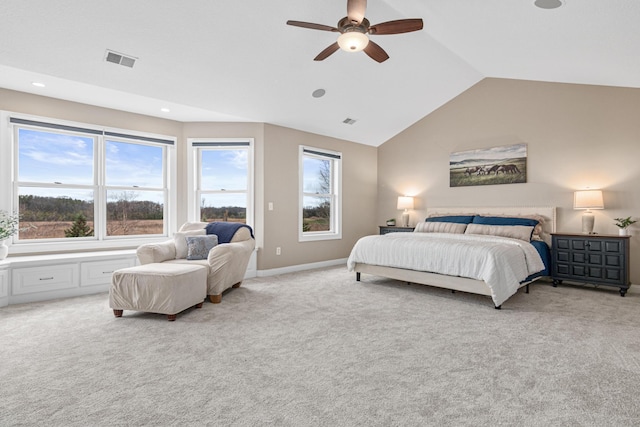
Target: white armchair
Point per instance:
(226, 262)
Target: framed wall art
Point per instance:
(505, 164)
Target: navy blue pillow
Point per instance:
(499, 220)
(458, 219)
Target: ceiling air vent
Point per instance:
(119, 58)
(349, 121)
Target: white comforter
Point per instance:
(502, 263)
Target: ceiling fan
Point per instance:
(354, 28)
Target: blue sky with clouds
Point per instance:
(224, 170)
(49, 157)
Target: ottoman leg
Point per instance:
(199, 305)
(216, 299)
(171, 317)
(117, 313)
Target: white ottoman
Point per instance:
(164, 288)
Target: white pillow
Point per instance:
(180, 240)
(522, 232)
(440, 227)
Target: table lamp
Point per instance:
(406, 203)
(588, 199)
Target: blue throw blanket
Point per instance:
(225, 230)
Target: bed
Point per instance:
(454, 237)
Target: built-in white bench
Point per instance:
(43, 277)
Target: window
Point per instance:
(223, 180)
(135, 189)
(320, 189)
(85, 184)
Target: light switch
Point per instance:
(270, 206)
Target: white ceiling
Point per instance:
(213, 60)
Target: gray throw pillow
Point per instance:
(198, 247)
(180, 240)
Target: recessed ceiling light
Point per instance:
(548, 4)
(318, 93)
(38, 84)
(165, 110)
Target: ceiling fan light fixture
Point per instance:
(353, 41)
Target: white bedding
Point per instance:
(502, 263)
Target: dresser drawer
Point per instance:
(100, 272)
(41, 279)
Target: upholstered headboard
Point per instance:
(546, 212)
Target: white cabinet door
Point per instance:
(100, 272)
(4, 283)
(46, 278)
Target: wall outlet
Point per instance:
(278, 251)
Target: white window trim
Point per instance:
(336, 208)
(193, 202)
(8, 202)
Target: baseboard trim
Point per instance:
(301, 267)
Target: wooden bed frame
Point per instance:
(456, 283)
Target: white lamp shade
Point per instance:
(353, 41)
(588, 199)
(405, 202)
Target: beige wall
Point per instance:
(578, 136)
(276, 173)
(359, 176)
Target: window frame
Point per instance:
(335, 230)
(11, 122)
(127, 139)
(195, 148)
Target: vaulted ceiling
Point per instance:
(213, 60)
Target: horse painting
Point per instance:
(505, 164)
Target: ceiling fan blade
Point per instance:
(397, 27)
(312, 26)
(375, 52)
(327, 52)
(356, 10)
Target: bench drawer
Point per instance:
(100, 272)
(47, 278)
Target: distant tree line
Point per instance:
(40, 208)
(323, 210)
(224, 213)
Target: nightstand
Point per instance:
(386, 229)
(598, 259)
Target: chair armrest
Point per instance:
(156, 252)
(234, 249)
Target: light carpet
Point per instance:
(317, 348)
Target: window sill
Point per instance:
(319, 237)
(33, 248)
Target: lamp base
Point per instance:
(588, 221)
(405, 218)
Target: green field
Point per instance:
(458, 177)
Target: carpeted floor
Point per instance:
(318, 348)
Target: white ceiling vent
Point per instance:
(349, 121)
(119, 58)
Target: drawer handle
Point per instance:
(107, 272)
(46, 278)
